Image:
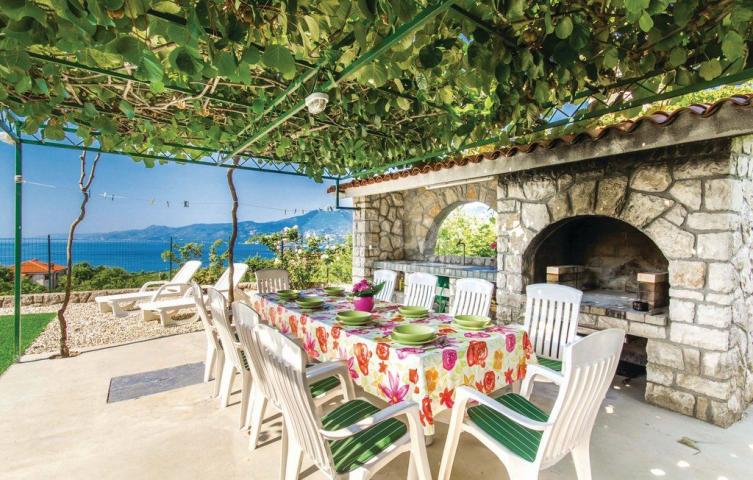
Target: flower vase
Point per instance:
(363, 304)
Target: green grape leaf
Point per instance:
(710, 70)
(733, 45)
(280, 59)
(564, 28)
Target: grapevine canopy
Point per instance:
(403, 77)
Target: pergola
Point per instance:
(225, 83)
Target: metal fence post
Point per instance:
(49, 263)
(171, 256)
(17, 251)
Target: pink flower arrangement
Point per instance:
(364, 288)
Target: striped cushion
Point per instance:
(520, 440)
(323, 386)
(550, 363)
(352, 452)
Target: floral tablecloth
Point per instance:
(486, 360)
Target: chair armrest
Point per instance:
(407, 407)
(464, 394)
(337, 369)
(182, 287)
(152, 283)
(534, 370)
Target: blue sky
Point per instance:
(50, 210)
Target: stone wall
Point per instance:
(425, 210)
(404, 225)
(39, 299)
(35, 299)
(377, 232)
(688, 201)
(740, 286)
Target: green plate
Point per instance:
(310, 304)
(464, 327)
(334, 291)
(413, 333)
(414, 343)
(354, 324)
(412, 311)
(472, 321)
(310, 300)
(354, 315)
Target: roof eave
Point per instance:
(725, 120)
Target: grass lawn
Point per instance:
(32, 325)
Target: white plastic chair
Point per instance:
(352, 441)
(235, 359)
(215, 358)
(551, 320)
(270, 280)
(178, 285)
(327, 380)
(389, 278)
(420, 289)
(164, 309)
(473, 296)
(527, 439)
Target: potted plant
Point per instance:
(363, 295)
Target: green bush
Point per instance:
(478, 232)
(27, 286)
(310, 259)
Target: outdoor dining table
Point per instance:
(486, 360)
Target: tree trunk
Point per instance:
(83, 184)
(234, 231)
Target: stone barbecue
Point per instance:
(659, 209)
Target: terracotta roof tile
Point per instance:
(38, 266)
(626, 127)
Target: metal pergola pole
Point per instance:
(17, 249)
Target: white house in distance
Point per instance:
(41, 273)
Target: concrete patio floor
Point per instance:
(55, 422)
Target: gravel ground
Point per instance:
(87, 327)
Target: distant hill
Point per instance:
(337, 223)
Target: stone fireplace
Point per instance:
(677, 199)
(611, 252)
(678, 209)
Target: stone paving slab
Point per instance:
(128, 387)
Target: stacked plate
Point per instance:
(288, 295)
(412, 334)
(353, 318)
(310, 303)
(471, 322)
(334, 291)
(413, 312)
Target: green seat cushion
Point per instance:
(520, 440)
(550, 363)
(352, 452)
(323, 386)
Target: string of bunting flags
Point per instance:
(154, 201)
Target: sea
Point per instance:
(132, 256)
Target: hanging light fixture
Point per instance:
(317, 102)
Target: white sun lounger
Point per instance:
(179, 285)
(164, 309)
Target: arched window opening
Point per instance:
(470, 228)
